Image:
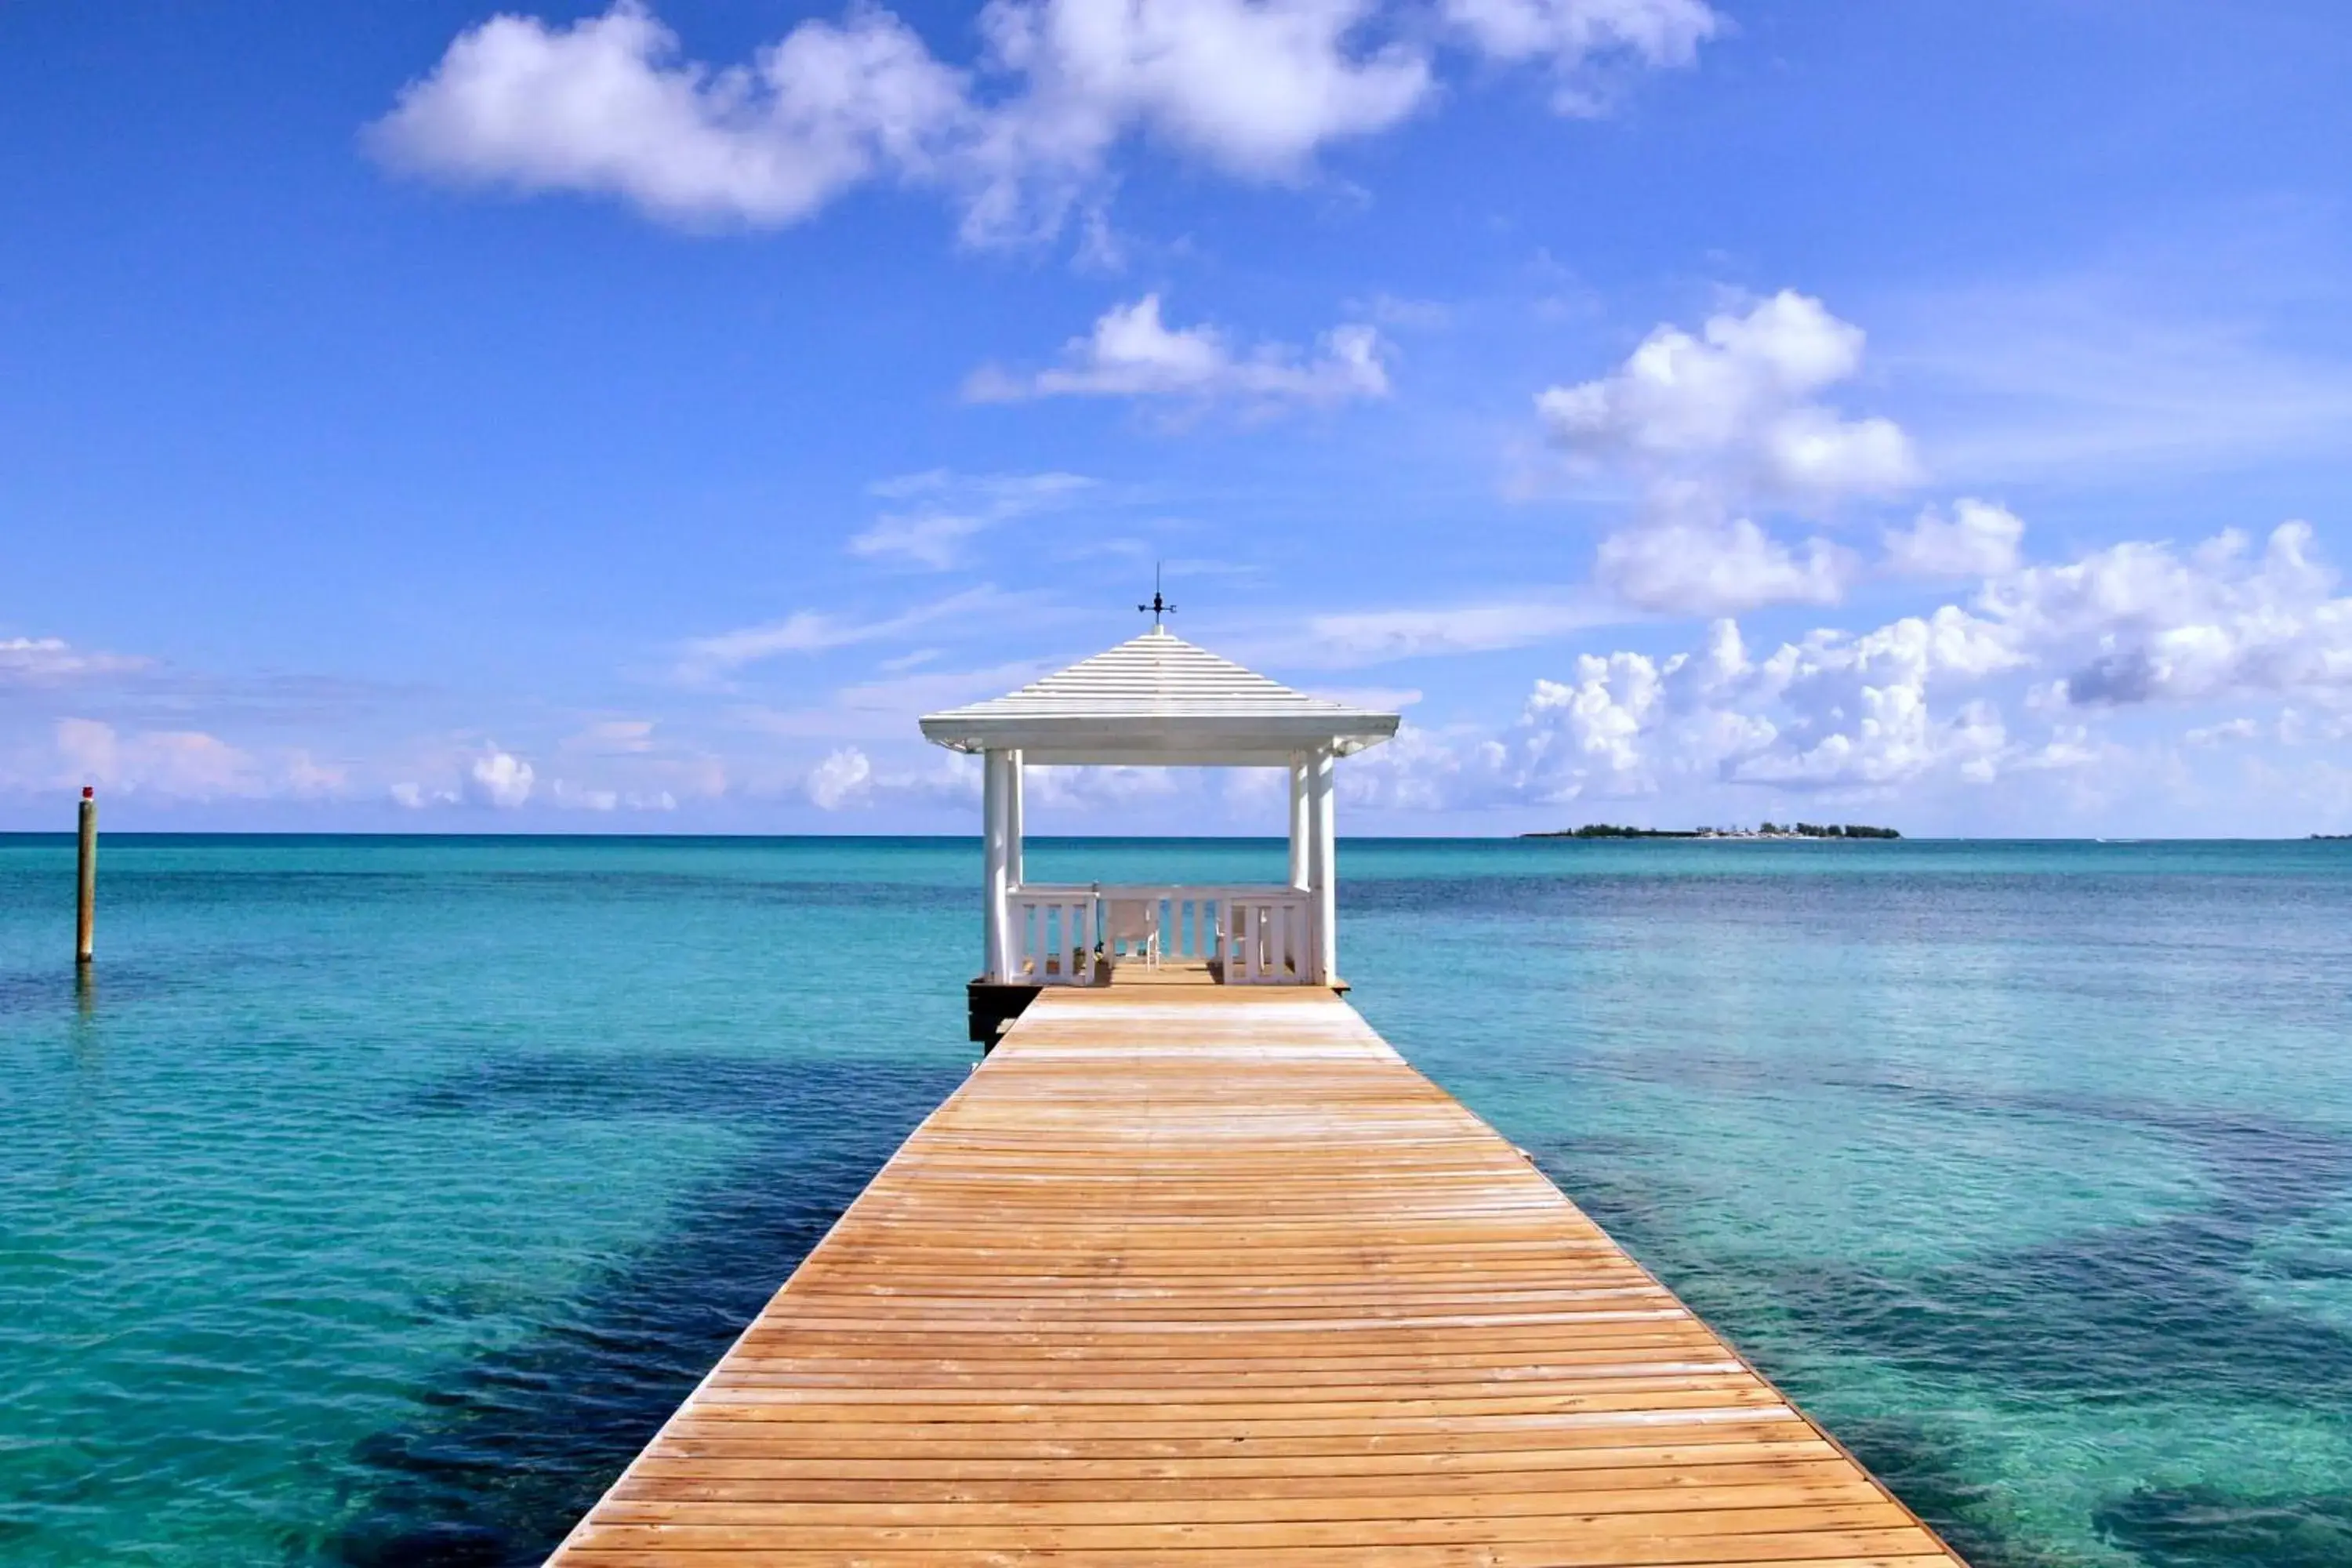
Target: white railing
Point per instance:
(1265, 937)
(1052, 936)
(1061, 933)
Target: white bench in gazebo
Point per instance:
(1158, 702)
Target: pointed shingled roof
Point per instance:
(1158, 698)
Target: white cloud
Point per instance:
(186, 764)
(2299, 728)
(1132, 353)
(843, 776)
(1702, 567)
(2020, 684)
(887, 709)
(613, 737)
(1735, 407)
(1252, 87)
(932, 538)
(847, 779)
(308, 778)
(2221, 733)
(1830, 712)
(498, 779)
(606, 106)
(1978, 540)
(1100, 788)
(578, 797)
(803, 631)
(816, 631)
(1572, 34)
(570, 797)
(1426, 771)
(1352, 638)
(947, 509)
(2145, 624)
(1893, 738)
(907, 696)
(50, 661)
(609, 105)
(1719, 425)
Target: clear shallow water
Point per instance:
(381, 1196)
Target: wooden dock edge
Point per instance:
(1213, 1275)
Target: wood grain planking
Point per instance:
(1210, 1276)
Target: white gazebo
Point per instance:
(1158, 702)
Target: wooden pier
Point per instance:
(1198, 1275)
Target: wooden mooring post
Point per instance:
(86, 904)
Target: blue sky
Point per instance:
(631, 419)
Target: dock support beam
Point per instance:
(1322, 865)
(86, 901)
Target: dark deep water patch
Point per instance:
(2119, 1316)
(1630, 1008)
(2211, 1527)
(2131, 1311)
(1921, 1465)
(508, 1453)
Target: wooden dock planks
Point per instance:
(1209, 1276)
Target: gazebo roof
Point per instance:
(1156, 698)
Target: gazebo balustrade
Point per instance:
(1157, 702)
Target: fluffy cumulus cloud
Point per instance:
(1579, 38)
(1737, 403)
(638, 773)
(1719, 425)
(2021, 682)
(611, 105)
(844, 777)
(1708, 565)
(1977, 540)
(1828, 712)
(607, 105)
(498, 779)
(847, 779)
(1133, 352)
(1251, 87)
(2147, 623)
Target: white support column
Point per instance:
(994, 885)
(1299, 827)
(1323, 865)
(1015, 872)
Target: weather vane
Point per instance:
(1158, 606)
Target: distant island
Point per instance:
(1762, 830)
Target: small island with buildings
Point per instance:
(1762, 830)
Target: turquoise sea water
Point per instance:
(380, 1196)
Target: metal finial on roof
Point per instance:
(1158, 606)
